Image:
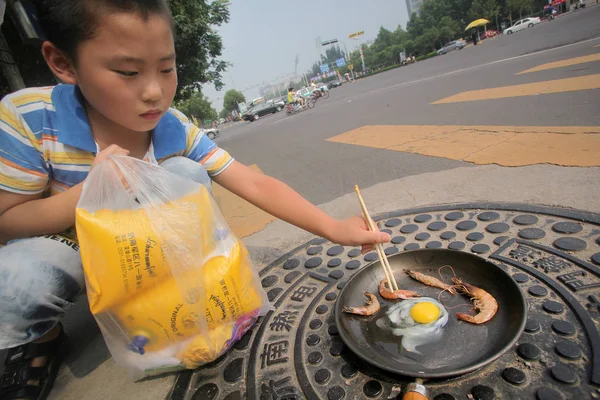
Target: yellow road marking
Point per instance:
(563, 63)
(598, 45)
(243, 218)
(502, 145)
(587, 82)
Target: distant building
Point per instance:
(273, 90)
(413, 6)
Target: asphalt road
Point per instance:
(294, 149)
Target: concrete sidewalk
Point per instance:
(90, 373)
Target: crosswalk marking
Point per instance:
(587, 82)
(503, 145)
(563, 63)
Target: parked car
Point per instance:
(522, 24)
(260, 110)
(334, 83)
(212, 133)
(279, 101)
(453, 45)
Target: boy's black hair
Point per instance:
(67, 23)
(290, 89)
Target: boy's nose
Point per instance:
(152, 92)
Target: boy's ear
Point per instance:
(60, 65)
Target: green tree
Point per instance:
(355, 60)
(432, 11)
(197, 43)
(519, 6)
(231, 99)
(197, 106)
(449, 29)
(487, 9)
(315, 69)
(224, 113)
(384, 39)
(409, 47)
(428, 39)
(399, 35)
(415, 26)
(333, 53)
(458, 10)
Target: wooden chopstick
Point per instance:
(389, 274)
(387, 269)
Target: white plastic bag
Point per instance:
(168, 283)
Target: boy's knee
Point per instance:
(34, 295)
(188, 169)
(34, 283)
(34, 290)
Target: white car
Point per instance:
(277, 102)
(522, 24)
(212, 133)
(304, 92)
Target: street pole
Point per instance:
(346, 52)
(362, 56)
(362, 59)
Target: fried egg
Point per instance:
(418, 321)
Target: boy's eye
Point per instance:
(126, 73)
(166, 71)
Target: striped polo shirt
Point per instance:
(46, 141)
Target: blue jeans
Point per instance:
(41, 277)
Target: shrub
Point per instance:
(426, 56)
(384, 69)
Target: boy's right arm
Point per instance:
(29, 215)
(24, 216)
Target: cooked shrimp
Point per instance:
(387, 293)
(371, 306)
(484, 303)
(430, 281)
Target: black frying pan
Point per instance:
(464, 347)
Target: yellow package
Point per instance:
(206, 348)
(165, 276)
(121, 252)
(163, 315)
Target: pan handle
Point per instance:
(415, 391)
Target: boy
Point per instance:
(293, 98)
(116, 60)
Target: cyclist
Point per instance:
(315, 89)
(293, 98)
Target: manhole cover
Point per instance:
(295, 352)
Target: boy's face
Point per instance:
(127, 71)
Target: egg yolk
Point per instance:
(425, 312)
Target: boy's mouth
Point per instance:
(152, 114)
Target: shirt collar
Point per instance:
(73, 126)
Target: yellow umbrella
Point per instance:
(476, 23)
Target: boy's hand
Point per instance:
(113, 149)
(355, 232)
